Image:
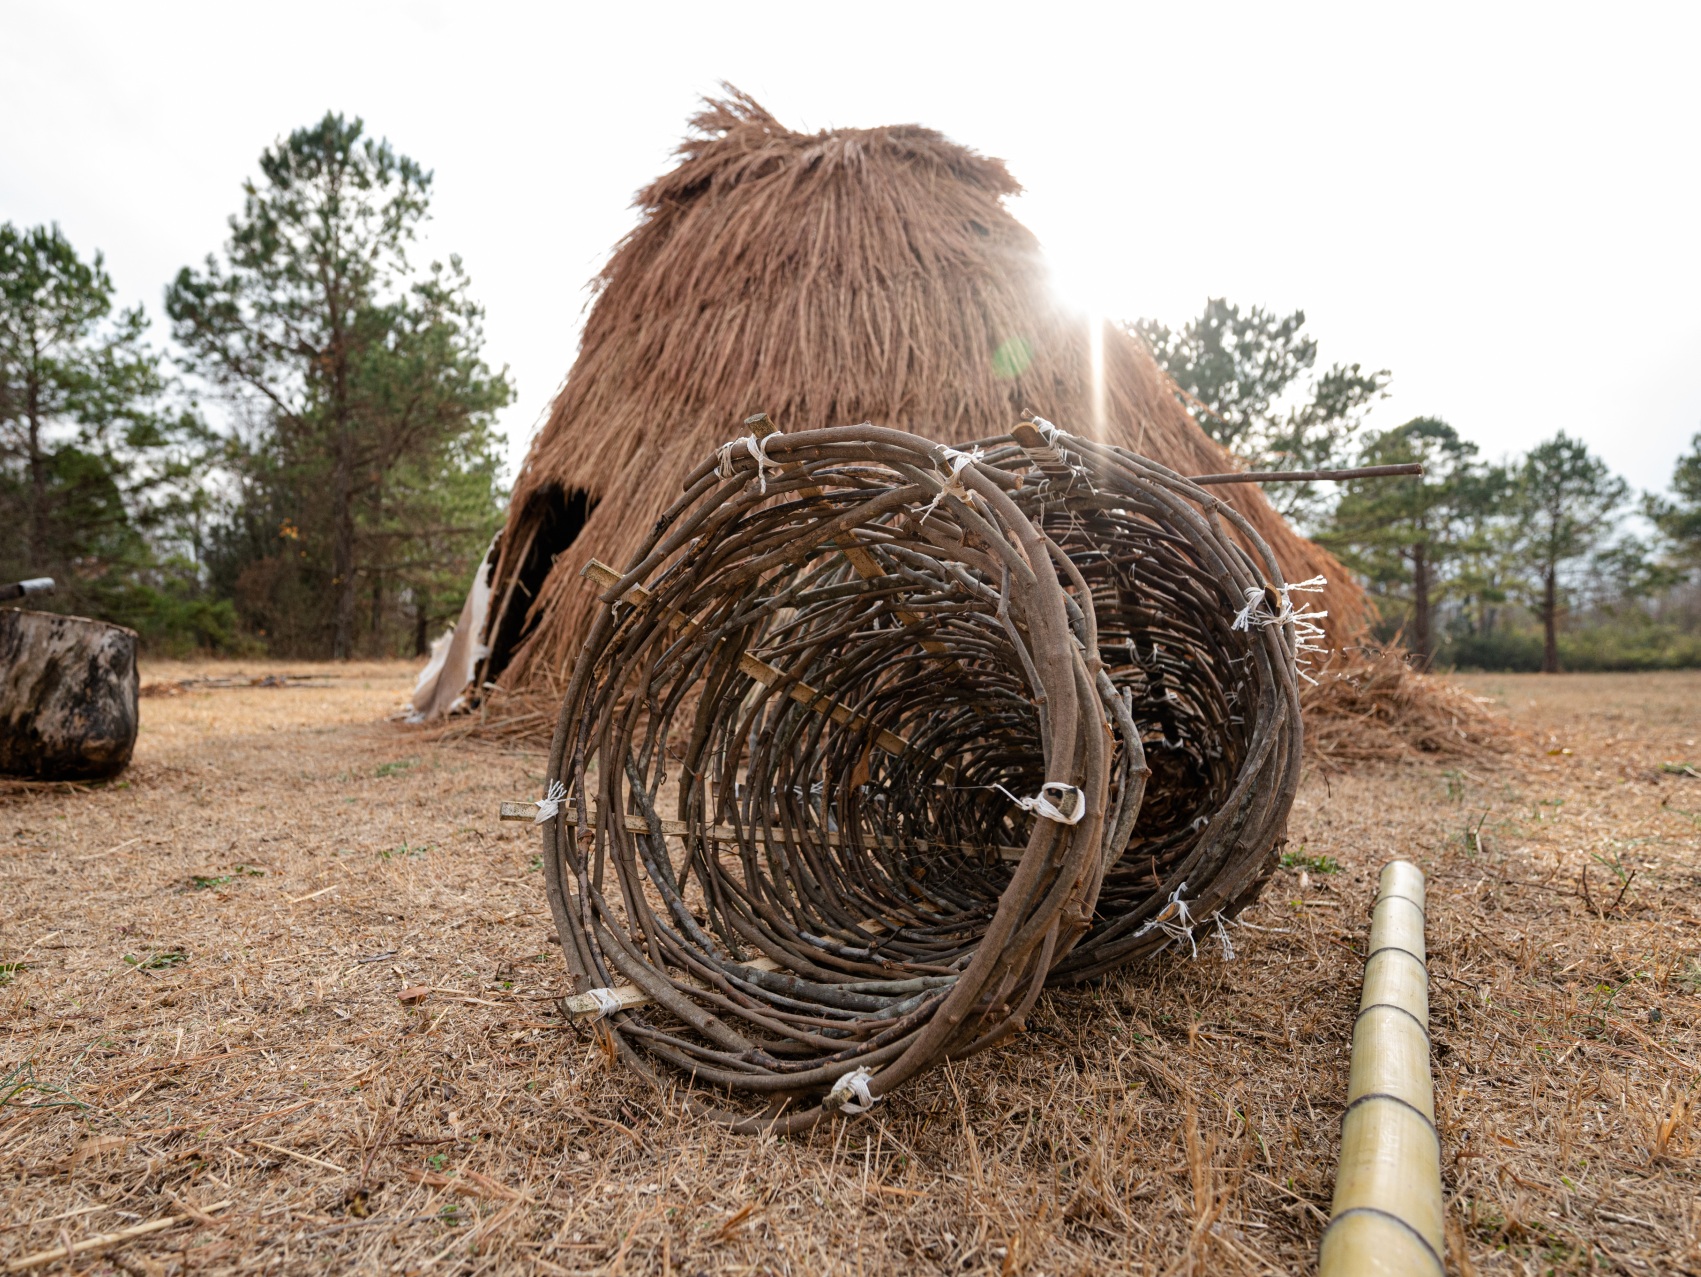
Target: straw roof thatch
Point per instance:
(830, 278)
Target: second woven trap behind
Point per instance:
(844, 769)
(1200, 633)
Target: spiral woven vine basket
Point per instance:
(875, 737)
(1199, 633)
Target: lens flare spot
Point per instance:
(1012, 358)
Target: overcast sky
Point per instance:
(1498, 203)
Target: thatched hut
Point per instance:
(829, 278)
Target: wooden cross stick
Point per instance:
(726, 833)
(761, 425)
(1309, 476)
(764, 673)
(1041, 453)
(627, 996)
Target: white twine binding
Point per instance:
(1177, 922)
(1223, 936)
(1041, 805)
(550, 806)
(758, 450)
(1255, 613)
(607, 1003)
(1304, 618)
(852, 1090)
(957, 461)
(1174, 921)
(1054, 438)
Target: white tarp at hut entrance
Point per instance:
(444, 682)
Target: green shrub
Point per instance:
(1629, 643)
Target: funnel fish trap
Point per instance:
(855, 758)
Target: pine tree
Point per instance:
(97, 479)
(1679, 519)
(1408, 536)
(1248, 378)
(1563, 505)
(351, 376)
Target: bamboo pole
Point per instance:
(1386, 1219)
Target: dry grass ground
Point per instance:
(199, 969)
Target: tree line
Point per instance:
(1535, 562)
(313, 469)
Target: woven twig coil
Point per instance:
(893, 697)
(1169, 567)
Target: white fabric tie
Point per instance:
(758, 450)
(1304, 617)
(1042, 805)
(1255, 613)
(1174, 920)
(957, 461)
(852, 1090)
(550, 806)
(1223, 936)
(607, 1003)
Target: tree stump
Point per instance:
(68, 690)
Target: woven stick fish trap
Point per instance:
(1203, 638)
(860, 673)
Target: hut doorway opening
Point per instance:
(555, 516)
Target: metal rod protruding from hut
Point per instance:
(1312, 476)
(1386, 1218)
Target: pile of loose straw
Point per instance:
(1368, 705)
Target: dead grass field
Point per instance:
(199, 967)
